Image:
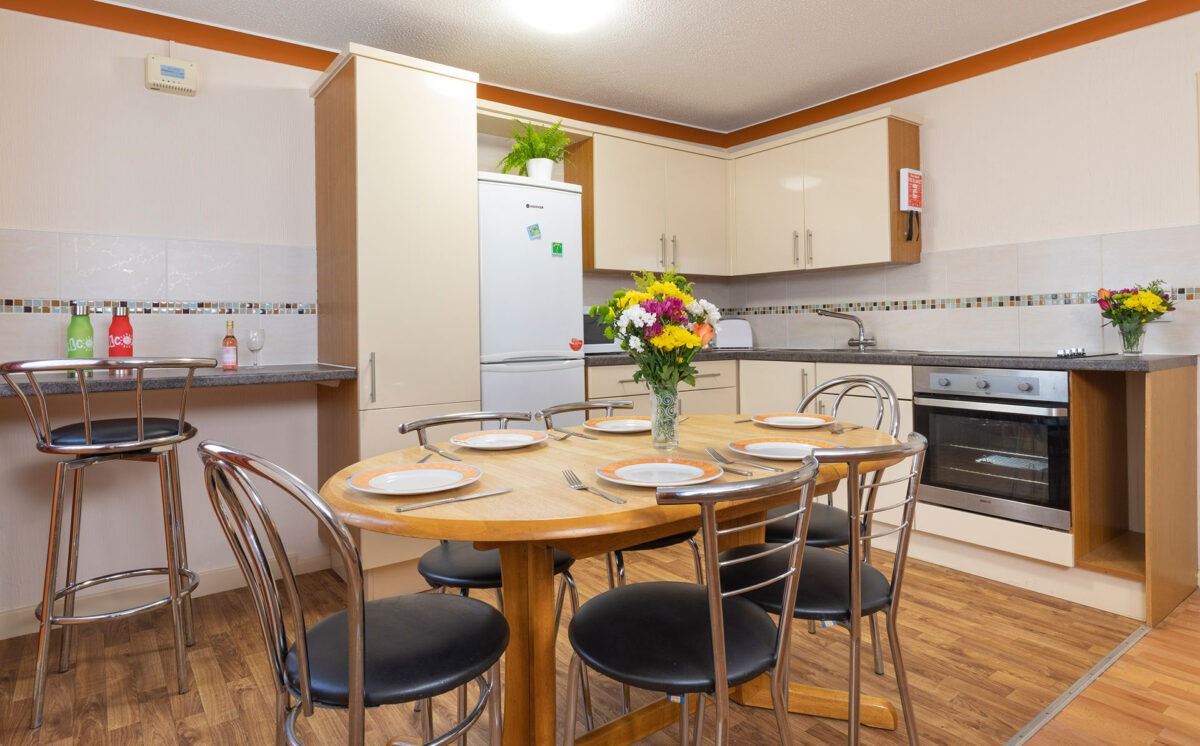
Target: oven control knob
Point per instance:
(982, 384)
(1025, 386)
(943, 381)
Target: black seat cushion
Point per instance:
(824, 591)
(827, 526)
(122, 430)
(458, 564)
(657, 636)
(415, 647)
(666, 541)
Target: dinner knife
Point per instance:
(585, 436)
(444, 500)
(442, 453)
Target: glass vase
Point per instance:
(664, 417)
(1133, 335)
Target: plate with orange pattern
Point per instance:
(498, 440)
(659, 472)
(619, 424)
(793, 420)
(779, 449)
(414, 479)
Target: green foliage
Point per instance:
(530, 141)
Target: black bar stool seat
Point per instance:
(823, 593)
(120, 430)
(828, 526)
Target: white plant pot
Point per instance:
(539, 168)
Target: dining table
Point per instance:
(542, 513)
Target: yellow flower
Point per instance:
(669, 290)
(1145, 302)
(674, 337)
(632, 298)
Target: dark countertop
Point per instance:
(205, 377)
(963, 359)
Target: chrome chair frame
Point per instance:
(419, 426)
(707, 496)
(608, 405)
(161, 450)
(227, 472)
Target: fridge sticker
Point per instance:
(556, 248)
(535, 232)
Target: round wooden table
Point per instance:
(542, 513)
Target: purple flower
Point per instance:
(668, 309)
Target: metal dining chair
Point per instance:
(691, 638)
(387, 651)
(92, 441)
(843, 586)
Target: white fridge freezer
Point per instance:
(531, 290)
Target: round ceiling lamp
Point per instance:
(563, 16)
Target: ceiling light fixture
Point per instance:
(562, 16)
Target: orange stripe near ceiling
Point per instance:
(140, 22)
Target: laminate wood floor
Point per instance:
(983, 659)
(1149, 696)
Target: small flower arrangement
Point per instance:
(1127, 310)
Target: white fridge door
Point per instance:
(532, 386)
(530, 271)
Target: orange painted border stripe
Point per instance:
(128, 20)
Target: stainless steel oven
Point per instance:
(999, 442)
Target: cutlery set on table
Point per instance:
(425, 477)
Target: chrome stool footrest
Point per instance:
(192, 578)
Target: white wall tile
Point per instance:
(770, 330)
(1067, 264)
(766, 290)
(1049, 328)
(291, 338)
(28, 264)
(211, 271)
(927, 279)
(33, 336)
(112, 267)
(288, 274)
(1138, 257)
(991, 270)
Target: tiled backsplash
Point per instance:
(180, 291)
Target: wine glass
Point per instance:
(255, 339)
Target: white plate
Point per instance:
(619, 424)
(793, 421)
(414, 479)
(659, 472)
(778, 449)
(498, 440)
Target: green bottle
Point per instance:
(79, 332)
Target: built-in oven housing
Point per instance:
(999, 442)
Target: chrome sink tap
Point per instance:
(863, 341)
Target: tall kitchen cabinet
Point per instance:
(828, 201)
(647, 207)
(397, 264)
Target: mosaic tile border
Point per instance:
(930, 304)
(41, 305)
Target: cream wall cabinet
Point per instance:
(769, 210)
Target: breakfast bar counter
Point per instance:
(204, 378)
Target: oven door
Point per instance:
(997, 458)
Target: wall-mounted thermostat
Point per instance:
(171, 75)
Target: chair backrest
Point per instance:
(582, 406)
(419, 426)
(707, 496)
(41, 373)
(231, 477)
(877, 386)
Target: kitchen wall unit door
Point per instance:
(769, 210)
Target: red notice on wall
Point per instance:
(910, 189)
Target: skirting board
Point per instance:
(21, 621)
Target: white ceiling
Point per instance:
(715, 64)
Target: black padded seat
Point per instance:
(827, 526)
(416, 646)
(657, 636)
(824, 588)
(663, 543)
(458, 564)
(121, 430)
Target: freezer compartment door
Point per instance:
(532, 386)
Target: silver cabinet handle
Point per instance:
(372, 377)
(795, 247)
(626, 380)
(803, 382)
(808, 248)
(662, 249)
(707, 375)
(674, 250)
(821, 407)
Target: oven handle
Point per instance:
(987, 406)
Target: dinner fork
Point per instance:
(844, 428)
(576, 483)
(718, 457)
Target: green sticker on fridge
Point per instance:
(556, 249)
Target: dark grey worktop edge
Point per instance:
(204, 378)
(1118, 363)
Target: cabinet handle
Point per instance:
(795, 247)
(803, 383)
(707, 375)
(662, 249)
(808, 248)
(626, 380)
(674, 250)
(821, 407)
(372, 377)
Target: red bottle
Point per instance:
(120, 334)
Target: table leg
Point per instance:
(529, 667)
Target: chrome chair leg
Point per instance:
(875, 646)
(64, 660)
(558, 603)
(462, 712)
(500, 600)
(173, 575)
(495, 725)
(612, 578)
(43, 651)
(574, 676)
(427, 719)
(684, 730)
(620, 568)
(779, 701)
(698, 727)
(281, 712)
(696, 562)
(569, 582)
(852, 719)
(189, 631)
(910, 722)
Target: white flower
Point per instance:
(637, 316)
(636, 344)
(706, 310)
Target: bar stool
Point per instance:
(91, 441)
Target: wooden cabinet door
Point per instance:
(629, 200)
(769, 210)
(847, 189)
(697, 203)
(771, 386)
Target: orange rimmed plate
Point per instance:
(619, 424)
(414, 479)
(659, 472)
(779, 449)
(793, 421)
(498, 440)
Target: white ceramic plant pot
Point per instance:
(539, 168)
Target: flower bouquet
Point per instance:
(662, 327)
(1129, 309)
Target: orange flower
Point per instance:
(704, 332)
(1103, 294)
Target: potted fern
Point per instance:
(535, 150)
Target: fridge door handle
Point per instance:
(531, 367)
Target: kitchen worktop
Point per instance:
(205, 377)
(962, 359)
